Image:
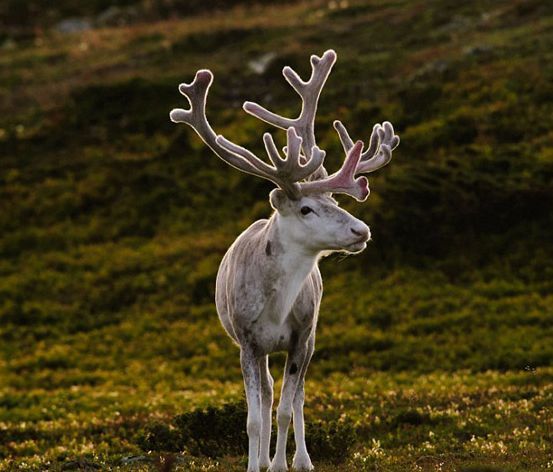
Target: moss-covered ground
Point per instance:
(435, 346)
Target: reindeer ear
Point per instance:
(278, 199)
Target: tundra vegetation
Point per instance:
(434, 347)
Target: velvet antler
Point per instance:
(290, 173)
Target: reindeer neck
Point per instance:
(291, 256)
(290, 262)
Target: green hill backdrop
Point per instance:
(435, 346)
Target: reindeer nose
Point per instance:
(361, 232)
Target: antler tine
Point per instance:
(292, 168)
(347, 143)
(309, 92)
(344, 180)
(286, 173)
(292, 149)
(383, 155)
(379, 153)
(196, 93)
(262, 168)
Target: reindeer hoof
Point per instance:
(278, 466)
(302, 463)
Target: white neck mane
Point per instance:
(293, 262)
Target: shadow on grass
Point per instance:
(218, 431)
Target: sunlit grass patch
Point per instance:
(434, 347)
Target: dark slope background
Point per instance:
(435, 346)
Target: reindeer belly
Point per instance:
(271, 337)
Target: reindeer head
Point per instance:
(303, 199)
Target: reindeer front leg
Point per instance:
(252, 384)
(294, 363)
(302, 461)
(266, 411)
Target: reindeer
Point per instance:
(269, 287)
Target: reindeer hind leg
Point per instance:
(250, 370)
(266, 411)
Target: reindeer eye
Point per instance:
(305, 210)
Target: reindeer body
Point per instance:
(267, 292)
(269, 287)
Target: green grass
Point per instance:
(434, 348)
(392, 420)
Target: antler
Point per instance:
(379, 153)
(288, 172)
(344, 180)
(285, 172)
(309, 92)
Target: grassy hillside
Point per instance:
(435, 346)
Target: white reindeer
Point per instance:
(269, 287)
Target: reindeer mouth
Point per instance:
(357, 246)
